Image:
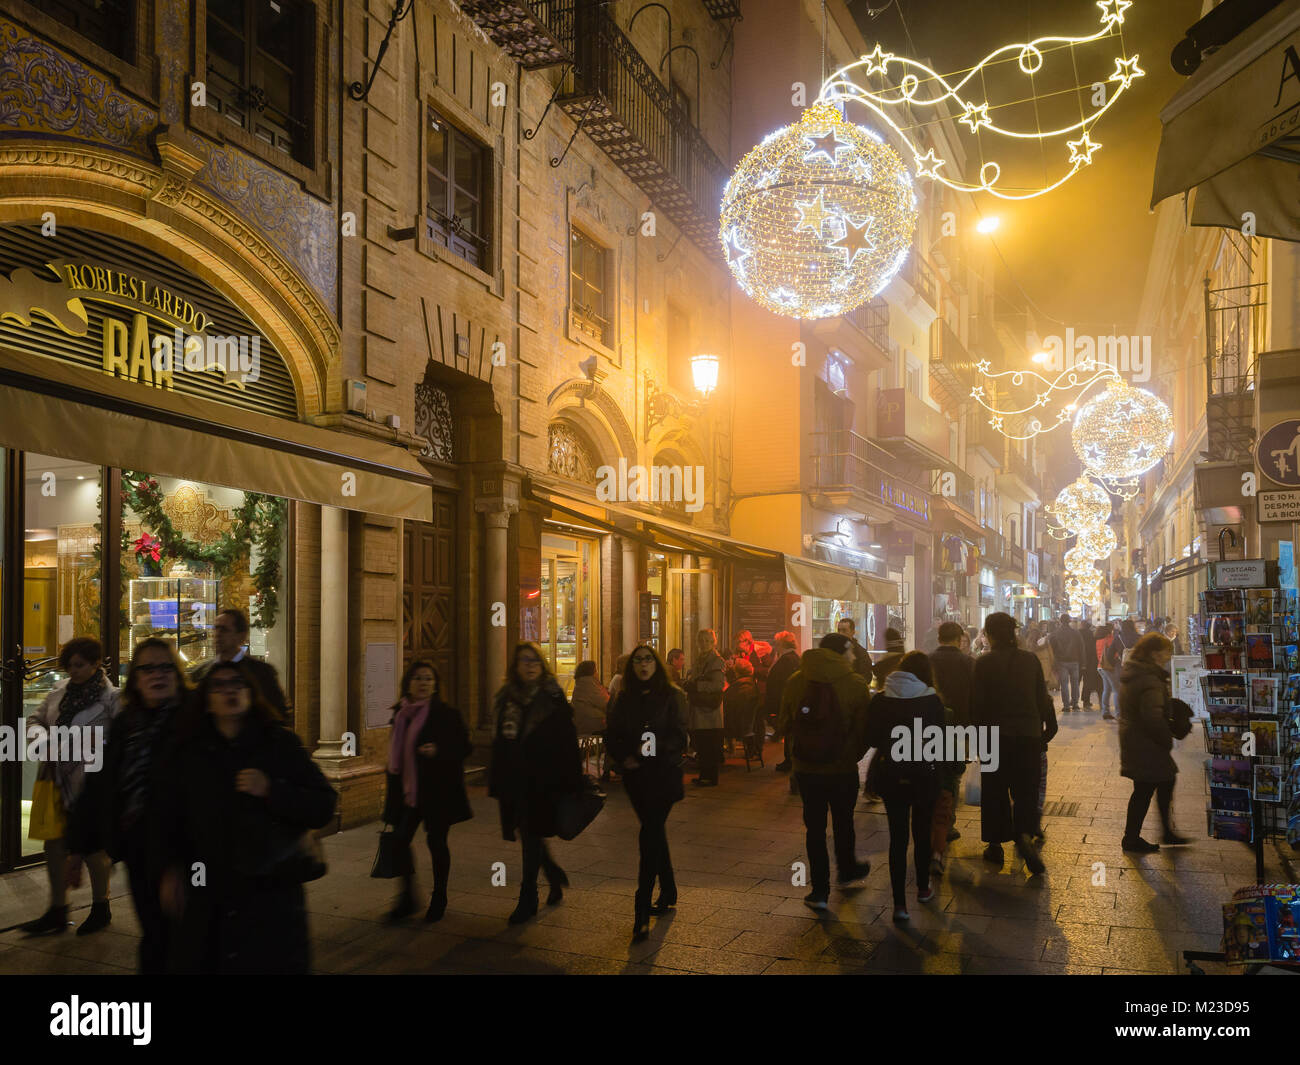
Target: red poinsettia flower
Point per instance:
(148, 546)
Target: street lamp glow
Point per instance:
(1041, 357)
(988, 224)
(704, 372)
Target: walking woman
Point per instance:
(908, 788)
(646, 737)
(1146, 740)
(118, 809)
(1112, 662)
(535, 763)
(705, 690)
(87, 702)
(238, 796)
(426, 779)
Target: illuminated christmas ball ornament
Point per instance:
(818, 218)
(1096, 542)
(1081, 504)
(1121, 433)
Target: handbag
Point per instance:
(575, 812)
(311, 858)
(393, 859)
(48, 820)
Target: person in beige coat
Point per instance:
(704, 690)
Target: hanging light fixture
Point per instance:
(704, 372)
(1121, 433)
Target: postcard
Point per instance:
(1225, 688)
(1215, 660)
(1265, 731)
(1259, 606)
(1291, 693)
(1231, 826)
(1291, 657)
(1263, 694)
(1222, 741)
(1222, 600)
(1230, 772)
(1259, 650)
(1268, 783)
(1231, 799)
(1227, 631)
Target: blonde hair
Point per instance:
(1152, 644)
(705, 640)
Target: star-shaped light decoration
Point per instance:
(856, 239)
(1126, 70)
(1043, 397)
(813, 213)
(736, 255)
(977, 392)
(976, 115)
(877, 60)
(996, 422)
(983, 365)
(927, 165)
(1112, 11)
(826, 144)
(1082, 149)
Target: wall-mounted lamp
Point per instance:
(704, 373)
(660, 404)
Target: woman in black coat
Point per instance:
(1146, 740)
(645, 734)
(240, 793)
(535, 764)
(426, 781)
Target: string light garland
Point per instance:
(912, 86)
(1075, 381)
(818, 218)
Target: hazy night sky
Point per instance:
(1080, 252)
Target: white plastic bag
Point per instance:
(972, 793)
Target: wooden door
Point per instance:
(429, 591)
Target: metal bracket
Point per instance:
(727, 43)
(671, 249)
(576, 130)
(401, 9)
(529, 134)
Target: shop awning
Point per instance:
(824, 581)
(1233, 132)
(57, 409)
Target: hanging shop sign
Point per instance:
(906, 499)
(1239, 573)
(1278, 453)
(1031, 568)
(986, 595)
(760, 600)
(102, 305)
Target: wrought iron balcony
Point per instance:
(616, 98)
(849, 465)
(1019, 471)
(952, 370)
(722, 9)
(922, 277)
(1016, 557)
(536, 33)
(981, 437)
(994, 548)
(912, 431)
(964, 496)
(862, 334)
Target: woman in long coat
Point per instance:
(704, 690)
(426, 780)
(238, 797)
(535, 764)
(646, 737)
(1146, 740)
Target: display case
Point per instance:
(180, 610)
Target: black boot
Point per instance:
(100, 917)
(52, 921)
(405, 904)
(437, 907)
(527, 908)
(559, 880)
(641, 925)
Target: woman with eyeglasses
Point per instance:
(239, 796)
(118, 810)
(646, 738)
(426, 780)
(535, 763)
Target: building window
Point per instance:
(433, 422)
(913, 376)
(590, 305)
(109, 23)
(458, 168)
(261, 70)
(570, 455)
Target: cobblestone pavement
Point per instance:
(733, 847)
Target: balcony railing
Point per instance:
(1016, 556)
(842, 459)
(535, 33)
(993, 548)
(952, 369)
(921, 276)
(872, 319)
(982, 437)
(616, 97)
(964, 496)
(1018, 466)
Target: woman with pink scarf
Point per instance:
(426, 780)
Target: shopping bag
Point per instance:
(972, 793)
(575, 812)
(48, 820)
(392, 859)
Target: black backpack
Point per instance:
(820, 730)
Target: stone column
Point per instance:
(496, 638)
(631, 602)
(333, 636)
(690, 622)
(706, 593)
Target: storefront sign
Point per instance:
(1031, 567)
(908, 499)
(1278, 453)
(1244, 573)
(1279, 506)
(760, 602)
(381, 683)
(129, 313)
(986, 595)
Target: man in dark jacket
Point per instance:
(1067, 650)
(894, 651)
(1089, 674)
(953, 671)
(785, 649)
(230, 633)
(861, 657)
(1008, 691)
(824, 711)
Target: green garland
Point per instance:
(260, 520)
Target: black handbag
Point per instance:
(392, 859)
(575, 812)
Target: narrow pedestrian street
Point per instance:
(733, 848)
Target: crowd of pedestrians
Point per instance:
(209, 800)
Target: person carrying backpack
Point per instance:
(824, 712)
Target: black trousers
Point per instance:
(708, 752)
(435, 835)
(1091, 684)
(652, 842)
(1140, 802)
(838, 793)
(537, 856)
(1009, 795)
(898, 811)
(155, 930)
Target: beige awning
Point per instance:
(821, 580)
(1233, 132)
(56, 409)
